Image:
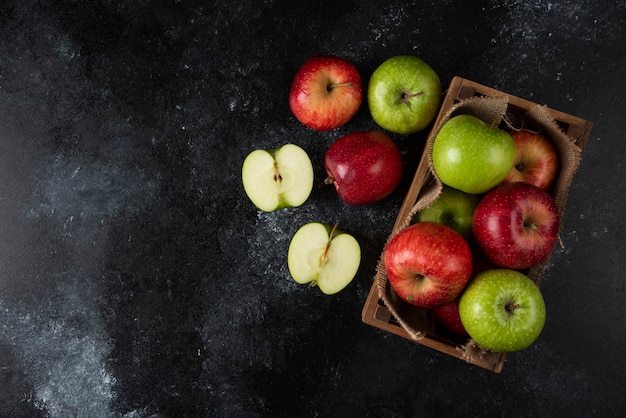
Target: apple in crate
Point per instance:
(536, 160)
(502, 310)
(404, 94)
(277, 178)
(453, 208)
(323, 256)
(428, 264)
(326, 92)
(364, 166)
(516, 225)
(448, 317)
(471, 155)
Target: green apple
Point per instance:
(453, 208)
(323, 256)
(502, 310)
(404, 94)
(277, 178)
(472, 155)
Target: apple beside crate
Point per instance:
(416, 324)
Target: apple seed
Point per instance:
(277, 176)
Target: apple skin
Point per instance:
(453, 208)
(448, 317)
(404, 94)
(428, 264)
(326, 92)
(516, 225)
(502, 310)
(364, 166)
(471, 155)
(536, 160)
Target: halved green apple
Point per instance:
(277, 178)
(323, 256)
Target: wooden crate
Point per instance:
(375, 312)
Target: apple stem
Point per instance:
(404, 97)
(329, 180)
(510, 307)
(332, 86)
(530, 224)
(330, 238)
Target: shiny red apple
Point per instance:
(447, 316)
(516, 225)
(428, 264)
(364, 166)
(326, 92)
(536, 160)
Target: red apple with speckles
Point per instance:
(448, 317)
(428, 264)
(326, 92)
(516, 225)
(364, 166)
(536, 160)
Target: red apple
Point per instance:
(364, 166)
(428, 264)
(536, 160)
(326, 92)
(448, 317)
(516, 225)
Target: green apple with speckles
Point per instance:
(323, 256)
(404, 94)
(453, 208)
(472, 155)
(502, 310)
(277, 178)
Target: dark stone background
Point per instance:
(136, 278)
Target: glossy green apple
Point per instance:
(277, 178)
(453, 208)
(502, 310)
(471, 155)
(404, 94)
(323, 256)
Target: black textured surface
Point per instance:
(136, 278)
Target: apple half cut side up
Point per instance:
(278, 178)
(323, 256)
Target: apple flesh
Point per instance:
(326, 92)
(453, 208)
(502, 310)
(404, 94)
(471, 155)
(516, 225)
(277, 178)
(536, 160)
(428, 264)
(364, 167)
(323, 256)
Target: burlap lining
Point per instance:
(494, 109)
